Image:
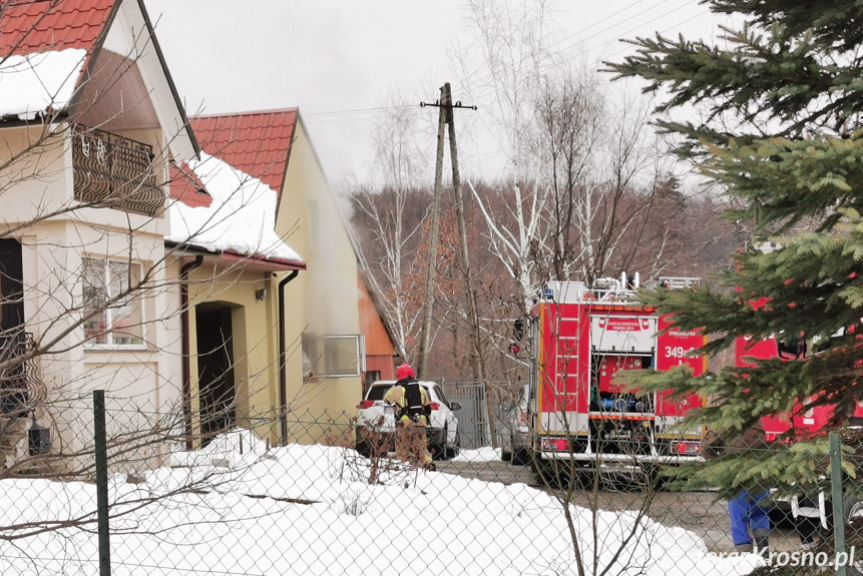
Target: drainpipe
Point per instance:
(184, 319)
(283, 369)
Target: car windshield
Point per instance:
(444, 400)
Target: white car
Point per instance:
(376, 421)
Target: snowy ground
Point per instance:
(310, 510)
(484, 454)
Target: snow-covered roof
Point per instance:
(258, 143)
(45, 47)
(51, 51)
(33, 83)
(240, 219)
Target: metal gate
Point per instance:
(473, 416)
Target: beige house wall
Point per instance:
(255, 340)
(323, 300)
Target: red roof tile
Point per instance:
(188, 188)
(31, 26)
(258, 143)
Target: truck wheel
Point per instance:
(363, 449)
(535, 460)
(521, 457)
(653, 480)
(506, 452)
(553, 474)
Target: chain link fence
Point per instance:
(240, 503)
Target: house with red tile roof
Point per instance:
(130, 261)
(232, 269)
(200, 263)
(322, 357)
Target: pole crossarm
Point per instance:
(458, 104)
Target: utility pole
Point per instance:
(446, 106)
(478, 362)
(446, 117)
(431, 269)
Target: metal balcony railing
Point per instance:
(115, 172)
(19, 380)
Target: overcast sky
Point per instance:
(336, 59)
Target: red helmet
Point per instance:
(405, 371)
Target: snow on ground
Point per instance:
(310, 510)
(484, 454)
(34, 82)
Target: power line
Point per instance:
(356, 110)
(630, 18)
(548, 55)
(374, 112)
(624, 9)
(559, 52)
(679, 24)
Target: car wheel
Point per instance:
(852, 508)
(362, 446)
(506, 451)
(456, 445)
(440, 450)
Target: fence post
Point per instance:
(838, 509)
(101, 481)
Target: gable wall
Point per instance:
(128, 37)
(327, 291)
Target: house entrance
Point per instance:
(215, 369)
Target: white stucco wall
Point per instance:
(145, 379)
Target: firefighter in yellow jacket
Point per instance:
(413, 417)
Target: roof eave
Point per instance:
(180, 107)
(257, 261)
(97, 48)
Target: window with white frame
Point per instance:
(112, 320)
(332, 356)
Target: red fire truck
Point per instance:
(808, 422)
(789, 348)
(580, 337)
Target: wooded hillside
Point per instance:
(665, 233)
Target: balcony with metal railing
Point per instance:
(19, 382)
(115, 172)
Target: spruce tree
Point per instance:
(778, 102)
